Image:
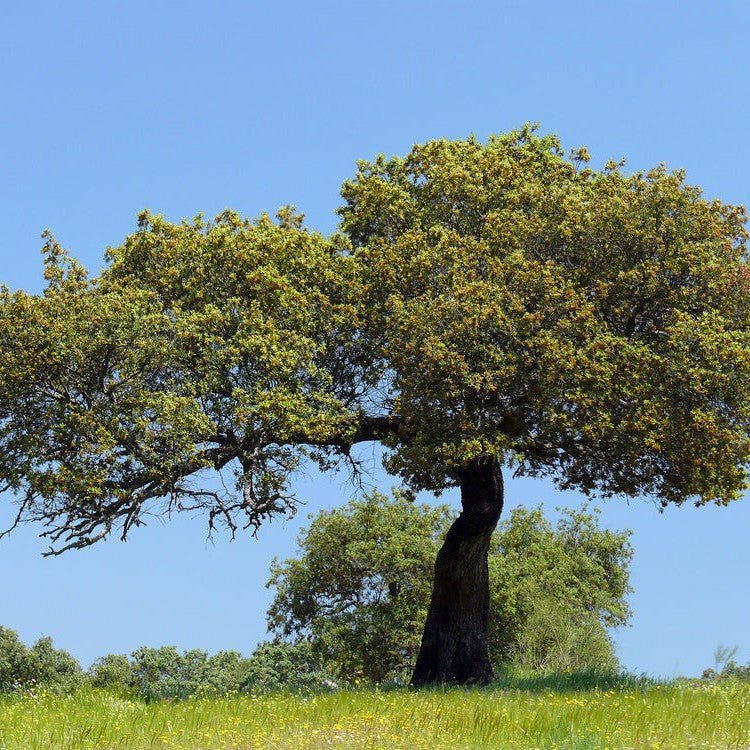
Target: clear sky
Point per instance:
(108, 108)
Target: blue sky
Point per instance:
(109, 108)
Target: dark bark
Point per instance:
(454, 643)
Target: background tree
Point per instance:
(17, 664)
(39, 665)
(359, 588)
(486, 306)
(555, 590)
(165, 673)
(113, 672)
(284, 666)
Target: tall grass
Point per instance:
(637, 715)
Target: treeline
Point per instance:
(159, 673)
(348, 608)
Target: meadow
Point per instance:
(686, 714)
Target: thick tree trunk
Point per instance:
(454, 643)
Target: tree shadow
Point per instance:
(558, 682)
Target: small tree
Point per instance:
(40, 665)
(554, 590)
(164, 672)
(18, 667)
(284, 666)
(360, 586)
(113, 672)
(559, 637)
(56, 666)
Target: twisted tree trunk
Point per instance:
(454, 643)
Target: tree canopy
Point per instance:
(495, 298)
(590, 325)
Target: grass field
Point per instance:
(680, 715)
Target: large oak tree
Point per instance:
(485, 306)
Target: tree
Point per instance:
(359, 588)
(18, 666)
(554, 591)
(164, 672)
(484, 306)
(56, 666)
(41, 664)
(113, 672)
(284, 666)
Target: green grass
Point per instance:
(567, 714)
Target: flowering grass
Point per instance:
(657, 717)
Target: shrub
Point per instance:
(726, 667)
(56, 667)
(557, 637)
(284, 666)
(113, 672)
(17, 663)
(159, 673)
(40, 665)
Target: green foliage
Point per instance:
(225, 672)
(17, 665)
(724, 654)
(555, 589)
(291, 667)
(42, 665)
(55, 666)
(164, 673)
(737, 671)
(360, 586)
(590, 325)
(726, 667)
(496, 298)
(203, 345)
(561, 638)
(112, 672)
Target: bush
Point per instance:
(556, 637)
(164, 673)
(726, 667)
(112, 672)
(56, 668)
(17, 664)
(555, 589)
(284, 666)
(41, 665)
(225, 672)
(359, 589)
